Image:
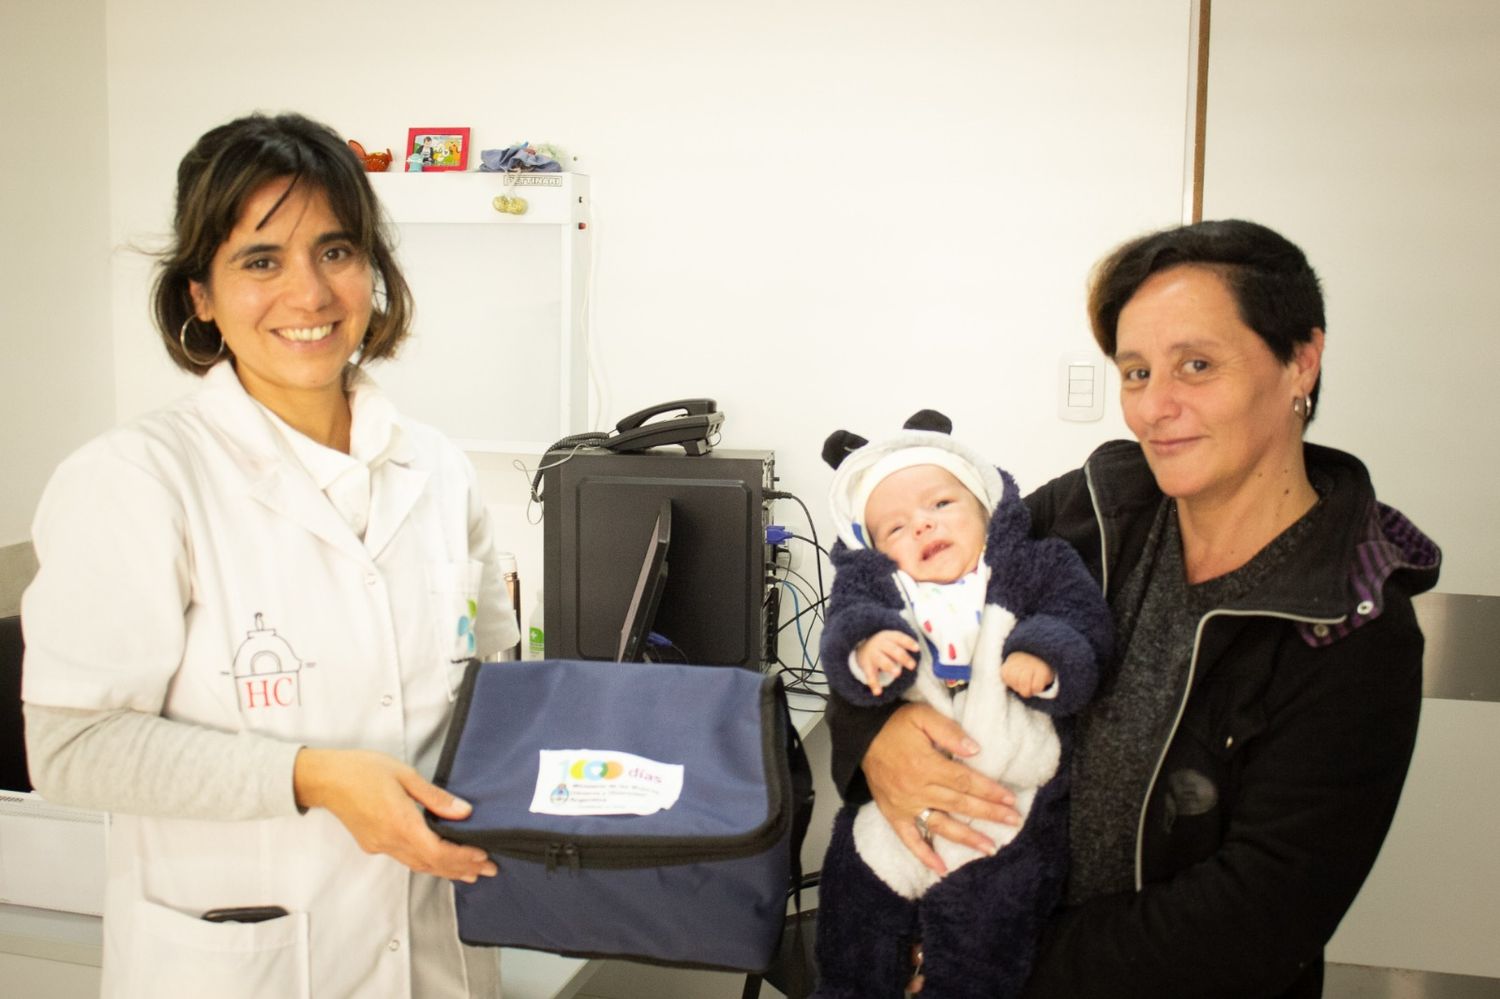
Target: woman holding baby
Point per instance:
(1235, 775)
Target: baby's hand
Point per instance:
(885, 652)
(1026, 674)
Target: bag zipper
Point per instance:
(618, 853)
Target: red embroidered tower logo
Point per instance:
(266, 670)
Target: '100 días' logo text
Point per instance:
(609, 770)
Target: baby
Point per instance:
(932, 526)
(941, 596)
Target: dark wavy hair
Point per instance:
(214, 180)
(1274, 287)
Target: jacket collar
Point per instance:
(1335, 580)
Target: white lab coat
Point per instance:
(190, 567)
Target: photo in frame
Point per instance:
(437, 149)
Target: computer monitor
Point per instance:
(641, 613)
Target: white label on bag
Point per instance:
(603, 782)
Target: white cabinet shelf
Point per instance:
(467, 197)
(498, 357)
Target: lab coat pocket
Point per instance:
(454, 590)
(175, 954)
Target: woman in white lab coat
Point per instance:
(253, 608)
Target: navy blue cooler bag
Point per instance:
(700, 884)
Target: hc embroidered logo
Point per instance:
(266, 670)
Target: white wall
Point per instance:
(56, 362)
(1367, 132)
(795, 206)
(822, 214)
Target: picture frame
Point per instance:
(440, 148)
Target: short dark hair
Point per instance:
(1273, 285)
(214, 180)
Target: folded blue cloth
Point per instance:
(517, 157)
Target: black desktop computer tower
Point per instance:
(599, 510)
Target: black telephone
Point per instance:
(696, 429)
(699, 421)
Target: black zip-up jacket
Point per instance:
(1275, 786)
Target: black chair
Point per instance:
(13, 774)
(793, 970)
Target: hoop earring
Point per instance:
(182, 342)
(1302, 405)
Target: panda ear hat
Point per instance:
(859, 466)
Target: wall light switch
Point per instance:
(1080, 390)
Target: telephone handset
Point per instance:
(699, 421)
(689, 407)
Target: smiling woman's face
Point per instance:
(291, 293)
(1201, 391)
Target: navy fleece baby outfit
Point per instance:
(978, 926)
